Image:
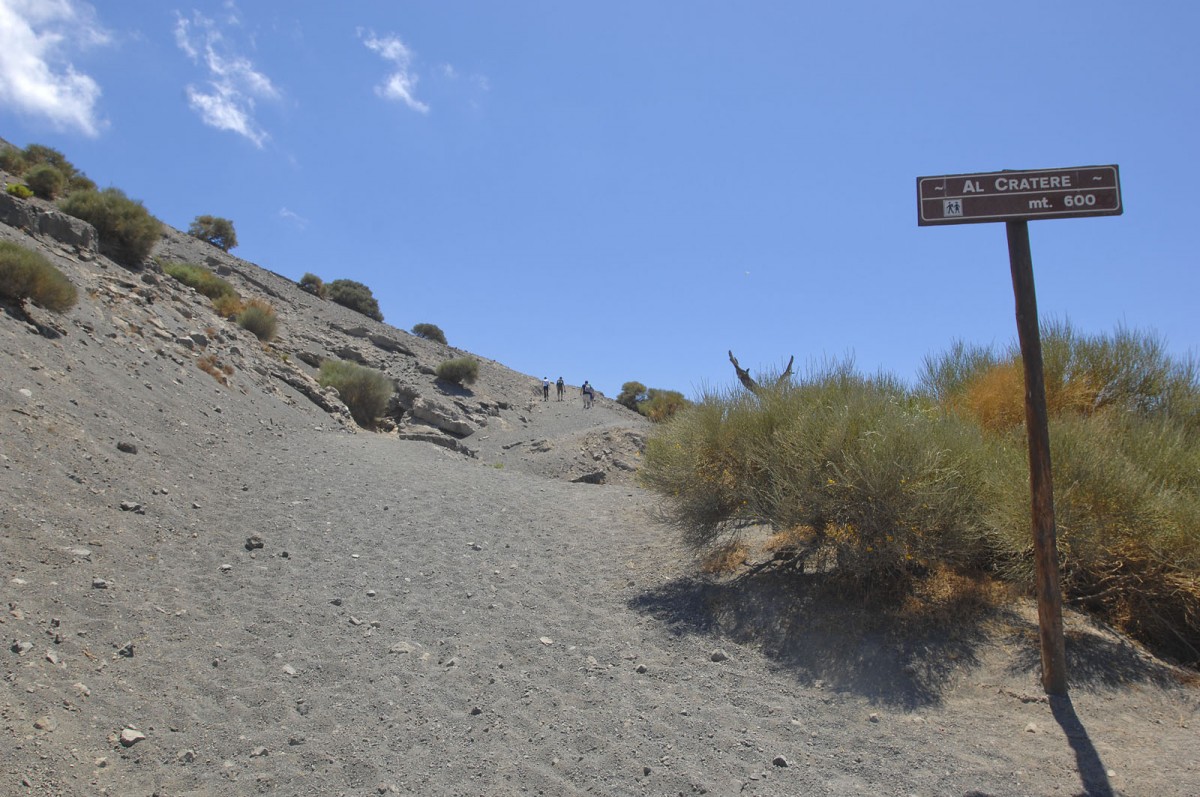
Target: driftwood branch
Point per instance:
(754, 387)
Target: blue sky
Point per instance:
(627, 190)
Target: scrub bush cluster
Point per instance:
(365, 391)
(881, 486)
(27, 276)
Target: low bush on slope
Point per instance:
(27, 276)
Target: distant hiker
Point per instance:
(545, 388)
(562, 386)
(589, 395)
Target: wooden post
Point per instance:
(1045, 550)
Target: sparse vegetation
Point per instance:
(19, 190)
(27, 276)
(45, 181)
(228, 306)
(12, 160)
(460, 371)
(356, 296)
(314, 285)
(725, 559)
(363, 390)
(259, 318)
(212, 366)
(661, 405)
(215, 230)
(429, 332)
(23, 163)
(200, 278)
(126, 229)
(882, 488)
(632, 394)
(655, 403)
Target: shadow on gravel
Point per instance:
(1092, 771)
(796, 620)
(452, 389)
(1096, 658)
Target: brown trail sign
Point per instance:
(1015, 197)
(1003, 196)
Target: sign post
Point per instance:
(1014, 197)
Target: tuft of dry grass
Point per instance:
(725, 560)
(946, 597)
(228, 306)
(790, 542)
(210, 365)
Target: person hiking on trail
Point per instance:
(545, 388)
(589, 395)
(562, 386)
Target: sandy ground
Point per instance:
(417, 621)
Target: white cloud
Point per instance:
(35, 76)
(402, 82)
(234, 84)
(293, 217)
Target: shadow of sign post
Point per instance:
(1015, 197)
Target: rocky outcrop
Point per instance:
(47, 222)
(325, 398)
(439, 415)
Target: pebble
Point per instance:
(126, 447)
(186, 756)
(226, 568)
(45, 724)
(780, 761)
(133, 506)
(874, 717)
(21, 648)
(546, 641)
(99, 583)
(718, 655)
(258, 752)
(641, 669)
(1031, 728)
(254, 542)
(131, 736)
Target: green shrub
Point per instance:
(882, 485)
(36, 154)
(26, 275)
(429, 332)
(632, 394)
(364, 391)
(461, 371)
(80, 182)
(259, 317)
(200, 278)
(126, 229)
(19, 191)
(46, 181)
(885, 484)
(13, 161)
(661, 405)
(314, 285)
(217, 231)
(356, 296)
